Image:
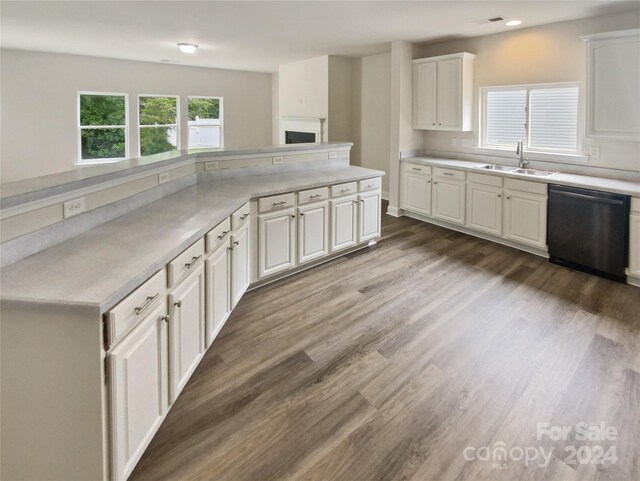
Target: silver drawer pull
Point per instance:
(178, 303)
(448, 173)
(276, 204)
(243, 217)
(164, 318)
(370, 186)
(224, 233)
(416, 168)
(150, 299)
(189, 265)
(342, 191)
(315, 196)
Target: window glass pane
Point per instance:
(204, 123)
(102, 109)
(102, 143)
(203, 108)
(506, 116)
(158, 110)
(154, 140)
(554, 118)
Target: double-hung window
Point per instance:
(103, 126)
(205, 122)
(157, 124)
(543, 116)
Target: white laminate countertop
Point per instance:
(97, 269)
(574, 180)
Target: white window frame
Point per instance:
(220, 116)
(176, 125)
(81, 127)
(537, 153)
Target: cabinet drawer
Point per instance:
(635, 205)
(526, 186)
(218, 234)
(313, 195)
(369, 184)
(133, 309)
(449, 173)
(343, 189)
(483, 179)
(275, 202)
(417, 168)
(185, 263)
(239, 217)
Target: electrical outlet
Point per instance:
(467, 142)
(73, 207)
(278, 160)
(594, 152)
(333, 155)
(453, 141)
(213, 165)
(163, 178)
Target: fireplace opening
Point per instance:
(292, 137)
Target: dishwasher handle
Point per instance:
(593, 198)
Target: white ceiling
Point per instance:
(260, 35)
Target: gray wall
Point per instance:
(39, 104)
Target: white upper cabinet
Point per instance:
(443, 92)
(613, 77)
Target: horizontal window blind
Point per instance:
(554, 119)
(506, 116)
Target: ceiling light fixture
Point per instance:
(513, 23)
(187, 47)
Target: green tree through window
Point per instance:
(158, 124)
(103, 126)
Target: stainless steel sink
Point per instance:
(501, 168)
(533, 172)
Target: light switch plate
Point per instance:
(163, 178)
(594, 152)
(467, 142)
(453, 141)
(73, 207)
(333, 155)
(278, 160)
(213, 165)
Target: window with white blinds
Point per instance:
(544, 117)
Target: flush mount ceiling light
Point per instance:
(187, 47)
(513, 23)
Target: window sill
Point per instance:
(98, 161)
(533, 155)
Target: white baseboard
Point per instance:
(633, 280)
(394, 211)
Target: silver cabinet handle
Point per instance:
(224, 233)
(164, 318)
(369, 186)
(150, 299)
(342, 191)
(355, 201)
(230, 248)
(315, 196)
(434, 123)
(178, 303)
(416, 168)
(301, 214)
(276, 204)
(236, 243)
(244, 216)
(499, 195)
(428, 181)
(189, 265)
(293, 216)
(448, 173)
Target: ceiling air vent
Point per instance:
(488, 20)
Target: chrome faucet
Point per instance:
(522, 162)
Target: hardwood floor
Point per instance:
(388, 363)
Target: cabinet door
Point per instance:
(186, 333)
(343, 223)
(484, 208)
(369, 216)
(424, 95)
(276, 242)
(139, 390)
(313, 232)
(240, 264)
(416, 193)
(525, 218)
(449, 92)
(634, 245)
(218, 290)
(449, 200)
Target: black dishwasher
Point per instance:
(588, 230)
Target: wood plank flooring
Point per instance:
(388, 363)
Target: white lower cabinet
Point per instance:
(484, 208)
(313, 231)
(276, 241)
(240, 264)
(218, 290)
(369, 216)
(344, 232)
(634, 245)
(449, 200)
(139, 390)
(525, 218)
(416, 193)
(186, 333)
